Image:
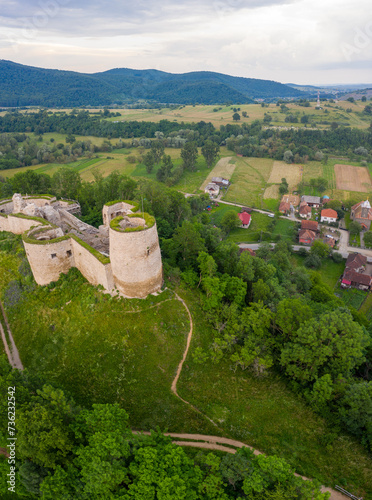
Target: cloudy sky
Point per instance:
(299, 41)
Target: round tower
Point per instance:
(135, 255)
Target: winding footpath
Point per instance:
(213, 442)
(193, 440)
(12, 351)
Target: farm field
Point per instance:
(249, 180)
(351, 296)
(351, 178)
(222, 115)
(225, 167)
(291, 172)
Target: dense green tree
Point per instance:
(290, 315)
(354, 228)
(189, 155)
(66, 183)
(149, 161)
(188, 244)
(230, 221)
(43, 429)
(332, 343)
(210, 152)
(356, 410)
(320, 249)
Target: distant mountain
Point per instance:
(26, 86)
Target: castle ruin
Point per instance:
(122, 255)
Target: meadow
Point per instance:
(222, 114)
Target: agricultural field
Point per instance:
(222, 115)
(225, 168)
(351, 296)
(249, 180)
(291, 172)
(351, 178)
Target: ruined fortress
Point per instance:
(122, 255)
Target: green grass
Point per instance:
(366, 307)
(271, 204)
(352, 296)
(330, 271)
(104, 349)
(249, 181)
(260, 225)
(285, 228)
(266, 414)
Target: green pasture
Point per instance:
(249, 181)
(222, 115)
(266, 414)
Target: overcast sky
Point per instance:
(297, 41)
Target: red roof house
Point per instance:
(309, 224)
(306, 236)
(328, 215)
(245, 218)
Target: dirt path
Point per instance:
(180, 366)
(219, 443)
(213, 442)
(12, 351)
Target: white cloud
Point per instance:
(304, 41)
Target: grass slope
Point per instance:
(266, 414)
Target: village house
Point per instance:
(362, 213)
(245, 219)
(221, 182)
(328, 215)
(304, 211)
(354, 274)
(306, 236)
(249, 250)
(329, 240)
(310, 224)
(212, 189)
(312, 201)
(356, 262)
(288, 203)
(357, 280)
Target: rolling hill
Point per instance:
(26, 86)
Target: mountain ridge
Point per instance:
(22, 85)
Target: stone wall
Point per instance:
(6, 206)
(109, 212)
(48, 260)
(91, 268)
(16, 225)
(40, 202)
(136, 261)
